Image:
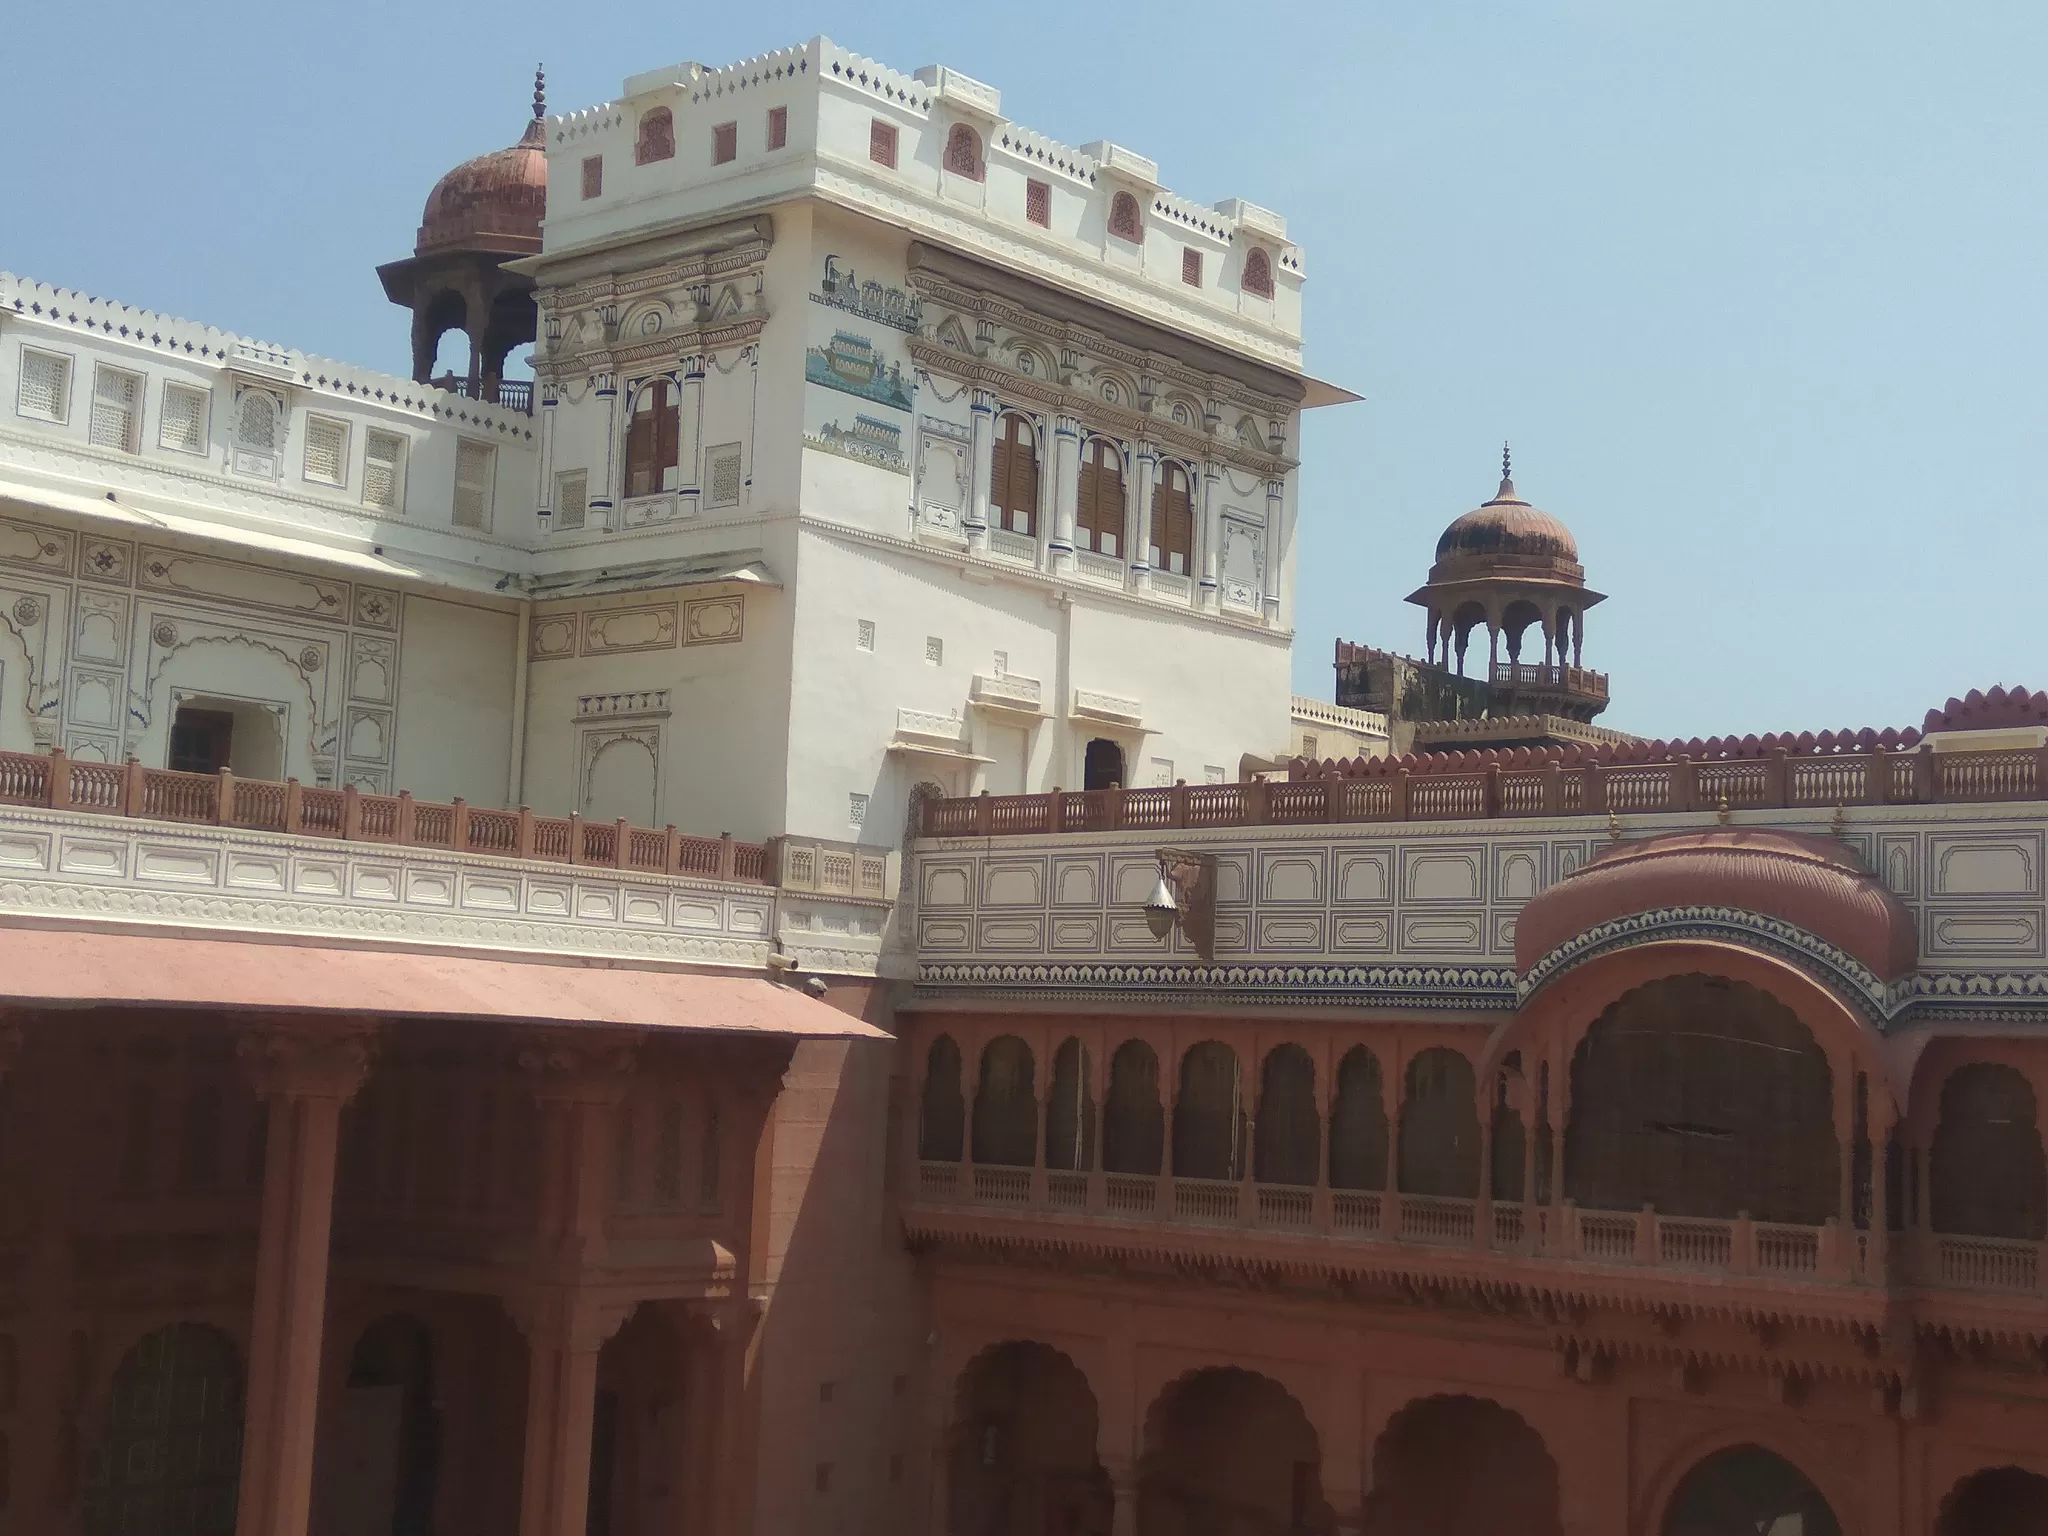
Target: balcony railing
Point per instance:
(61, 783)
(1418, 790)
(1641, 1240)
(513, 394)
(1572, 682)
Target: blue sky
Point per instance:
(1756, 289)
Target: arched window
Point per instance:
(1099, 519)
(1440, 1127)
(1702, 1097)
(1173, 520)
(1258, 273)
(1006, 1105)
(1208, 1117)
(1013, 476)
(1123, 218)
(1985, 1174)
(1358, 1124)
(963, 152)
(942, 1114)
(657, 137)
(1069, 1111)
(653, 439)
(1133, 1124)
(1290, 1138)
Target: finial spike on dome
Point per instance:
(540, 92)
(1507, 483)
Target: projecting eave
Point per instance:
(1425, 596)
(1320, 392)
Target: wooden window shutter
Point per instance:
(668, 419)
(643, 443)
(1173, 521)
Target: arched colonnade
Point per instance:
(1709, 1086)
(1232, 1450)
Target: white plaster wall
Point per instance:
(1209, 693)
(721, 760)
(455, 683)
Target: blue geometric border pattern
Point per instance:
(1425, 986)
(1833, 967)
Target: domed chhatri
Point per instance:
(1510, 567)
(494, 202)
(1507, 527)
(484, 213)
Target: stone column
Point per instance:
(1138, 522)
(983, 469)
(735, 1327)
(579, 1078)
(1066, 490)
(1276, 512)
(605, 391)
(1482, 1205)
(1212, 530)
(304, 1070)
(563, 1336)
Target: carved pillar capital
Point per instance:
(307, 1057)
(582, 1066)
(566, 1319)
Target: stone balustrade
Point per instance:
(60, 783)
(1681, 1246)
(1422, 790)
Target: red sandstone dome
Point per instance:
(1507, 526)
(1814, 883)
(495, 202)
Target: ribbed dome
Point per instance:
(495, 202)
(1507, 525)
(1814, 883)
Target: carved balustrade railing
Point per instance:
(1405, 790)
(61, 783)
(1645, 1239)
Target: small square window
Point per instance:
(1212, 774)
(1308, 746)
(1038, 203)
(1162, 772)
(857, 809)
(1191, 268)
(384, 471)
(864, 635)
(45, 388)
(725, 143)
(1002, 663)
(181, 423)
(572, 499)
(934, 650)
(882, 143)
(778, 127)
(326, 450)
(593, 177)
(116, 410)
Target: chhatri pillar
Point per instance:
(304, 1070)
